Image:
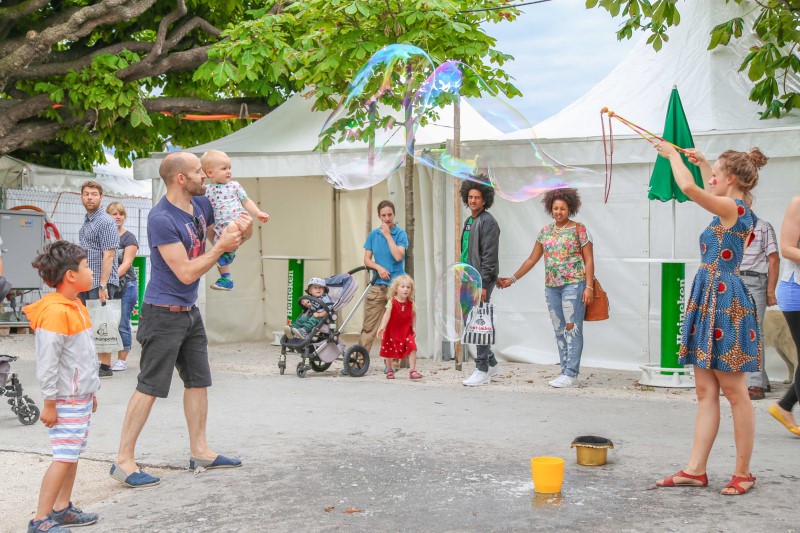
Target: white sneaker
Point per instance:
(119, 366)
(494, 370)
(562, 381)
(477, 378)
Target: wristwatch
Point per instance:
(103, 287)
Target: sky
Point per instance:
(561, 50)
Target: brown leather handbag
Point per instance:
(598, 307)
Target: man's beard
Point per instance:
(195, 189)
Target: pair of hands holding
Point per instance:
(504, 283)
(667, 151)
(231, 238)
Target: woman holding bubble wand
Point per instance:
(720, 334)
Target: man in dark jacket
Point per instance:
(480, 241)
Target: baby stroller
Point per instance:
(322, 346)
(21, 404)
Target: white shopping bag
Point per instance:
(105, 324)
(479, 328)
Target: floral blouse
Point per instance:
(563, 260)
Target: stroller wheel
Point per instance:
(28, 414)
(282, 364)
(301, 369)
(319, 366)
(356, 360)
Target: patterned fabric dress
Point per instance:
(720, 331)
(398, 339)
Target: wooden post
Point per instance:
(457, 348)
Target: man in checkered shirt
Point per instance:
(100, 237)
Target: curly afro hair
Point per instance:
(570, 196)
(485, 190)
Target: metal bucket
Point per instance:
(591, 450)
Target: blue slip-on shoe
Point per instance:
(137, 480)
(220, 461)
(226, 259)
(74, 517)
(223, 284)
(46, 524)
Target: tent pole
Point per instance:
(457, 348)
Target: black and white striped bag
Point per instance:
(479, 328)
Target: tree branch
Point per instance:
(233, 106)
(28, 133)
(15, 111)
(81, 23)
(59, 68)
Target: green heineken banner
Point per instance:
(673, 310)
(140, 267)
(295, 289)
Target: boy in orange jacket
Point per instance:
(66, 365)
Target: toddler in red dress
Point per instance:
(398, 326)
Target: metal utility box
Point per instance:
(23, 237)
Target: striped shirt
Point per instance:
(764, 244)
(98, 233)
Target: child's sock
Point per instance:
(226, 275)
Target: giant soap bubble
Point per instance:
(363, 140)
(457, 292)
(518, 170)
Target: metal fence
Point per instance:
(66, 211)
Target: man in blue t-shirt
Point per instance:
(171, 329)
(385, 251)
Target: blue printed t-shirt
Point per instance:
(167, 224)
(381, 254)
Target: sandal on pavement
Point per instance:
(670, 481)
(777, 415)
(414, 375)
(736, 484)
(389, 373)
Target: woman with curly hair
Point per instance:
(568, 263)
(720, 334)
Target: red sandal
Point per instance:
(390, 374)
(414, 375)
(736, 484)
(670, 481)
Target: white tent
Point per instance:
(275, 160)
(630, 229)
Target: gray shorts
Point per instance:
(171, 340)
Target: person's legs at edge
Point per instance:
(130, 297)
(195, 408)
(706, 425)
(552, 296)
(374, 307)
(573, 311)
(789, 400)
(734, 386)
(758, 290)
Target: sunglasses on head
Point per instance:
(199, 230)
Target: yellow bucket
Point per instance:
(591, 450)
(547, 474)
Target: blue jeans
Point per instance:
(129, 299)
(566, 307)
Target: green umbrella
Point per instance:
(676, 131)
(664, 188)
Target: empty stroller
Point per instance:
(322, 345)
(21, 404)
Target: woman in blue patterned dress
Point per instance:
(720, 335)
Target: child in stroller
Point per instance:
(314, 312)
(318, 342)
(21, 404)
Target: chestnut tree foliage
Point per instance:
(78, 75)
(772, 65)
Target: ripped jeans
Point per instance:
(566, 306)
